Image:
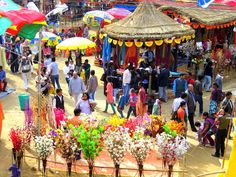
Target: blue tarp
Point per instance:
(129, 7)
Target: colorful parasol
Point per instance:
(75, 43)
(227, 2)
(118, 13)
(17, 20)
(98, 15)
(50, 37)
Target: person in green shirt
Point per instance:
(221, 133)
(156, 109)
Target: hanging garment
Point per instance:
(106, 51)
(131, 56)
(122, 53)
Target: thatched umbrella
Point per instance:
(147, 23)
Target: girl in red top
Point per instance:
(132, 103)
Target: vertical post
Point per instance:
(226, 143)
(39, 76)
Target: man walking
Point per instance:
(198, 93)
(180, 85)
(126, 82)
(54, 73)
(92, 85)
(76, 87)
(191, 104)
(163, 82)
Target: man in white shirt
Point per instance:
(177, 101)
(66, 71)
(76, 87)
(126, 82)
(54, 71)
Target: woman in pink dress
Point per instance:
(110, 98)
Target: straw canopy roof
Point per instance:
(147, 23)
(204, 16)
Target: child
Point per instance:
(121, 103)
(156, 109)
(132, 103)
(109, 93)
(207, 129)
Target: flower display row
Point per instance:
(117, 136)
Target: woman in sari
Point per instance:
(141, 105)
(215, 99)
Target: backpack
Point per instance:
(25, 65)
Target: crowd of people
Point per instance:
(143, 89)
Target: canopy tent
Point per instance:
(204, 17)
(60, 8)
(118, 13)
(51, 38)
(16, 20)
(147, 23)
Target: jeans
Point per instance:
(126, 88)
(200, 102)
(115, 92)
(220, 141)
(207, 79)
(92, 95)
(121, 113)
(25, 77)
(112, 107)
(67, 80)
(163, 93)
(54, 79)
(131, 109)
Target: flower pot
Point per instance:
(14, 154)
(170, 170)
(44, 166)
(117, 170)
(69, 165)
(140, 170)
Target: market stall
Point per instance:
(213, 30)
(126, 38)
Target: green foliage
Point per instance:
(90, 141)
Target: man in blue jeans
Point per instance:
(54, 71)
(208, 73)
(163, 82)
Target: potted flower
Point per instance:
(171, 148)
(43, 147)
(20, 139)
(90, 141)
(67, 146)
(140, 145)
(117, 145)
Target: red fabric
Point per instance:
(118, 13)
(227, 2)
(131, 56)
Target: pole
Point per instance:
(39, 77)
(226, 143)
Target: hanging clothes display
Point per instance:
(106, 51)
(122, 53)
(131, 56)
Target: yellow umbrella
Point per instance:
(75, 43)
